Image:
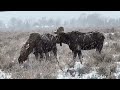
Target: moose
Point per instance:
(78, 41)
(39, 45)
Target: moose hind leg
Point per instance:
(80, 56)
(36, 55)
(41, 55)
(47, 56)
(99, 48)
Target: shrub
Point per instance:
(103, 57)
(116, 47)
(83, 70)
(113, 68)
(111, 77)
(98, 58)
(108, 58)
(107, 69)
(103, 71)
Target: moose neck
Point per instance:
(64, 38)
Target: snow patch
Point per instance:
(112, 33)
(66, 75)
(4, 75)
(91, 75)
(106, 43)
(117, 74)
(116, 55)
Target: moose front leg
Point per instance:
(36, 55)
(80, 56)
(47, 56)
(74, 55)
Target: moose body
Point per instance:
(38, 44)
(83, 41)
(46, 43)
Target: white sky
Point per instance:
(64, 15)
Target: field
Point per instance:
(95, 66)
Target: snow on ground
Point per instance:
(106, 44)
(117, 74)
(66, 75)
(4, 75)
(91, 75)
(116, 55)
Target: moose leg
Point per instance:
(99, 48)
(80, 56)
(41, 55)
(55, 52)
(36, 55)
(36, 52)
(47, 56)
(74, 55)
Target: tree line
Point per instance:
(91, 20)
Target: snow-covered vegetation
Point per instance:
(95, 66)
(4, 75)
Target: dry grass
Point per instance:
(11, 43)
(84, 70)
(105, 64)
(10, 48)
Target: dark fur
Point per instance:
(38, 44)
(78, 41)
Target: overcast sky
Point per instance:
(64, 15)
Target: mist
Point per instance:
(25, 20)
